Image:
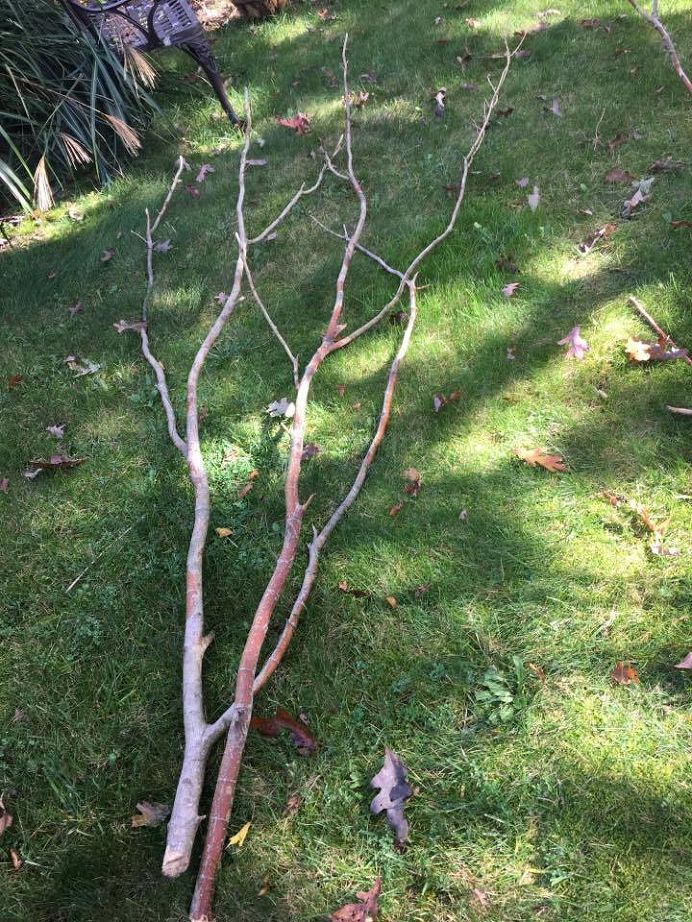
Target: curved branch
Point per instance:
(656, 23)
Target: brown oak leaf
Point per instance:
(624, 674)
(364, 911)
(536, 457)
(149, 814)
(394, 790)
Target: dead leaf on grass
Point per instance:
(624, 674)
(577, 346)
(15, 859)
(509, 289)
(56, 463)
(667, 165)
(638, 351)
(413, 481)
(685, 663)
(107, 255)
(204, 171)
(192, 191)
(4, 484)
(343, 586)
(618, 175)
(535, 457)
(300, 735)
(363, 911)
(293, 805)
(6, 819)
(77, 308)
(439, 100)
(534, 199)
(239, 838)
(601, 233)
(300, 123)
(224, 532)
(57, 431)
(676, 225)
(13, 381)
(391, 601)
(394, 790)
(616, 141)
(395, 509)
(163, 246)
(149, 814)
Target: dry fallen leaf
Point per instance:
(293, 805)
(283, 407)
(309, 451)
(364, 911)
(163, 246)
(264, 889)
(506, 264)
(15, 859)
(391, 601)
(149, 814)
(4, 484)
(618, 175)
(676, 225)
(522, 182)
(509, 289)
(439, 100)
(57, 431)
(602, 233)
(394, 790)
(107, 255)
(624, 674)
(244, 490)
(479, 900)
(616, 141)
(472, 23)
(123, 325)
(534, 198)
(192, 191)
(300, 735)
(224, 532)
(395, 509)
(77, 308)
(667, 165)
(239, 838)
(535, 457)
(204, 170)
(13, 381)
(555, 108)
(590, 23)
(358, 593)
(637, 350)
(577, 347)
(6, 819)
(685, 663)
(657, 547)
(413, 481)
(300, 123)
(87, 368)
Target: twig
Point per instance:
(597, 137)
(98, 557)
(655, 22)
(272, 326)
(681, 411)
(468, 160)
(642, 311)
(270, 228)
(320, 538)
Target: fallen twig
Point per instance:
(680, 411)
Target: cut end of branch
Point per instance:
(175, 863)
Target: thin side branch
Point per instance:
(161, 383)
(655, 22)
(320, 538)
(272, 326)
(417, 260)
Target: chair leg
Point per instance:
(201, 53)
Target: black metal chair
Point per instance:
(150, 24)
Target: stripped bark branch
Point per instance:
(201, 735)
(655, 22)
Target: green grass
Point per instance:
(576, 807)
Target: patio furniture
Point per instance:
(150, 24)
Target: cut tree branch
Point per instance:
(655, 22)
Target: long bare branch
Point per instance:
(241, 712)
(185, 819)
(655, 22)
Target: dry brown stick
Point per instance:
(680, 411)
(645, 315)
(240, 712)
(655, 22)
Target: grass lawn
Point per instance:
(571, 802)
